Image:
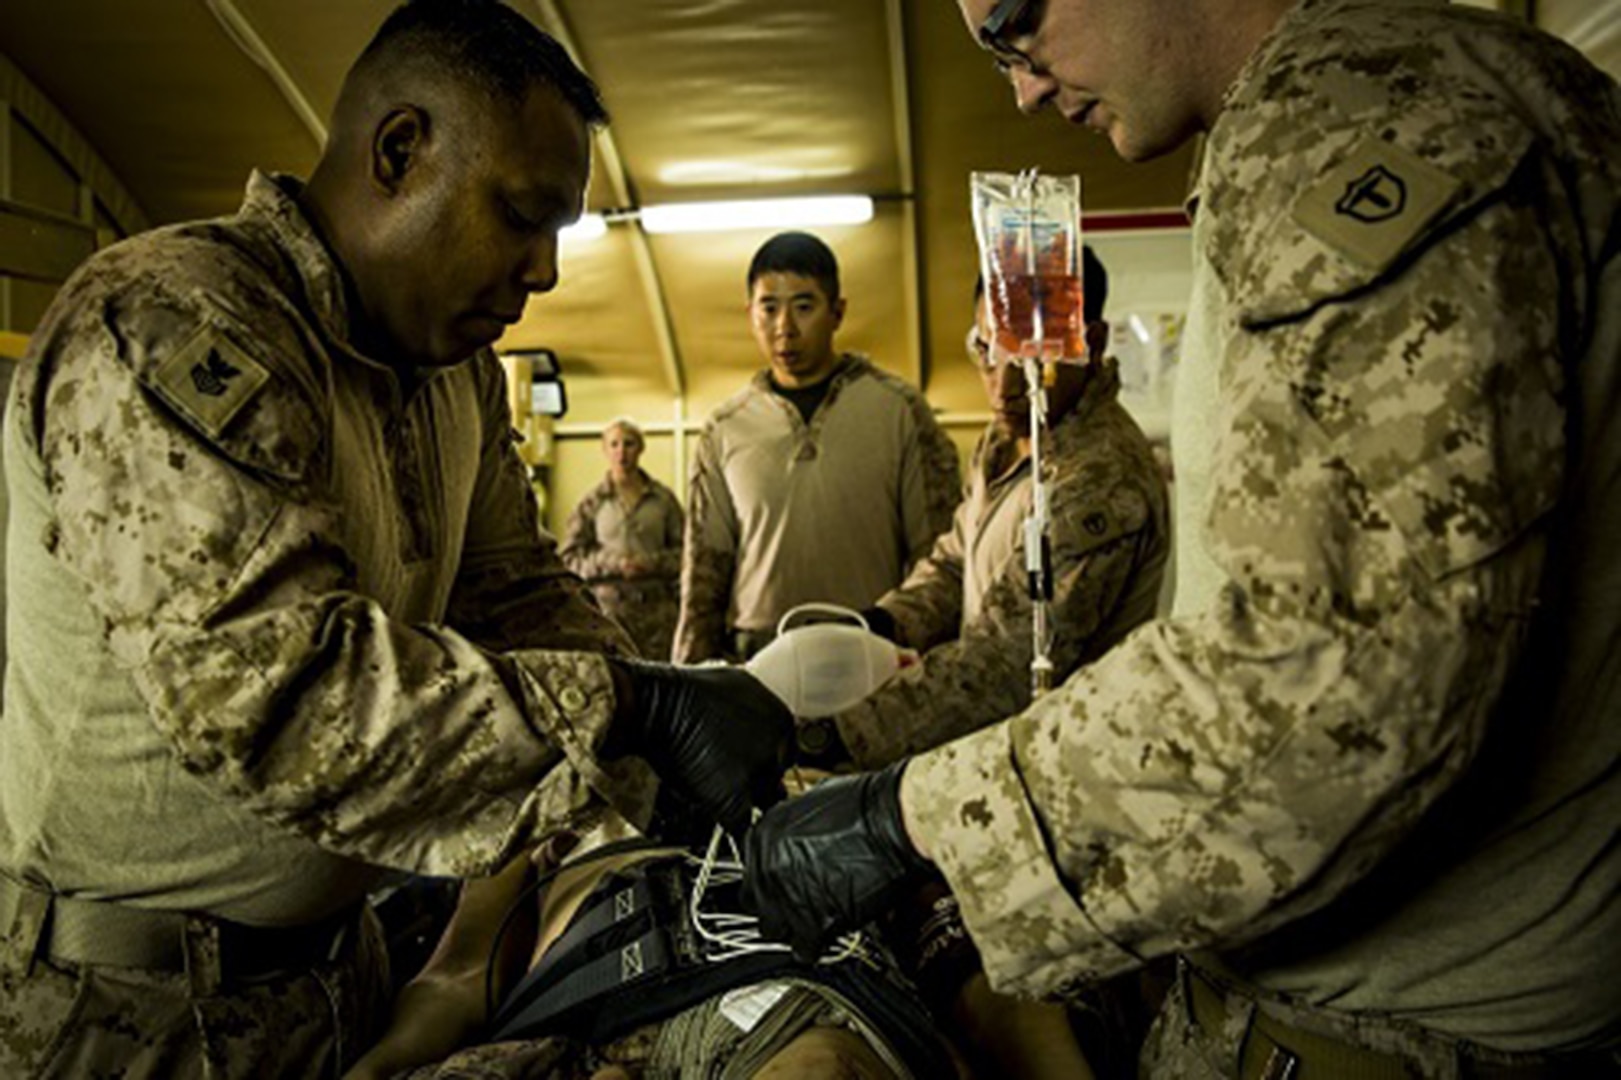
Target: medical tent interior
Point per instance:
(121, 115)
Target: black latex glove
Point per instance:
(718, 739)
(880, 622)
(829, 861)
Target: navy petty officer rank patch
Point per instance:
(209, 380)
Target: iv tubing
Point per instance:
(1041, 665)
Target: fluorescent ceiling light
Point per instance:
(589, 227)
(736, 173)
(1139, 329)
(757, 214)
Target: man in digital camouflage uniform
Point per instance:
(1373, 767)
(967, 604)
(823, 480)
(283, 614)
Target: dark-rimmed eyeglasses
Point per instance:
(982, 354)
(1008, 21)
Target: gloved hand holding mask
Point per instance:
(716, 737)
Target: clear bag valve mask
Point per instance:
(824, 668)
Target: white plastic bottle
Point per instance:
(824, 668)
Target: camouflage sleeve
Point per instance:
(225, 591)
(1382, 492)
(927, 607)
(982, 675)
(582, 552)
(708, 560)
(931, 480)
(512, 591)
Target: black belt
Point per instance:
(1274, 1050)
(66, 929)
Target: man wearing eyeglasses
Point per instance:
(1370, 768)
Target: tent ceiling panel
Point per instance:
(730, 99)
(161, 92)
(315, 40)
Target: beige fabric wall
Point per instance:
(50, 173)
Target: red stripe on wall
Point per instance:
(1146, 219)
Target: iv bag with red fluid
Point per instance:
(1029, 232)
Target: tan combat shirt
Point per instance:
(968, 602)
(782, 512)
(277, 617)
(1400, 713)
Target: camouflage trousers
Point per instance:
(647, 608)
(1211, 1029)
(79, 1020)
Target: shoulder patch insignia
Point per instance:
(209, 379)
(1372, 205)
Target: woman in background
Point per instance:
(624, 539)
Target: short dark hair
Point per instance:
(487, 45)
(1094, 285)
(797, 253)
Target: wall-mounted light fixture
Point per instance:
(538, 382)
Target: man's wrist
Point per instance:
(907, 797)
(625, 731)
(881, 622)
(881, 808)
(624, 690)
